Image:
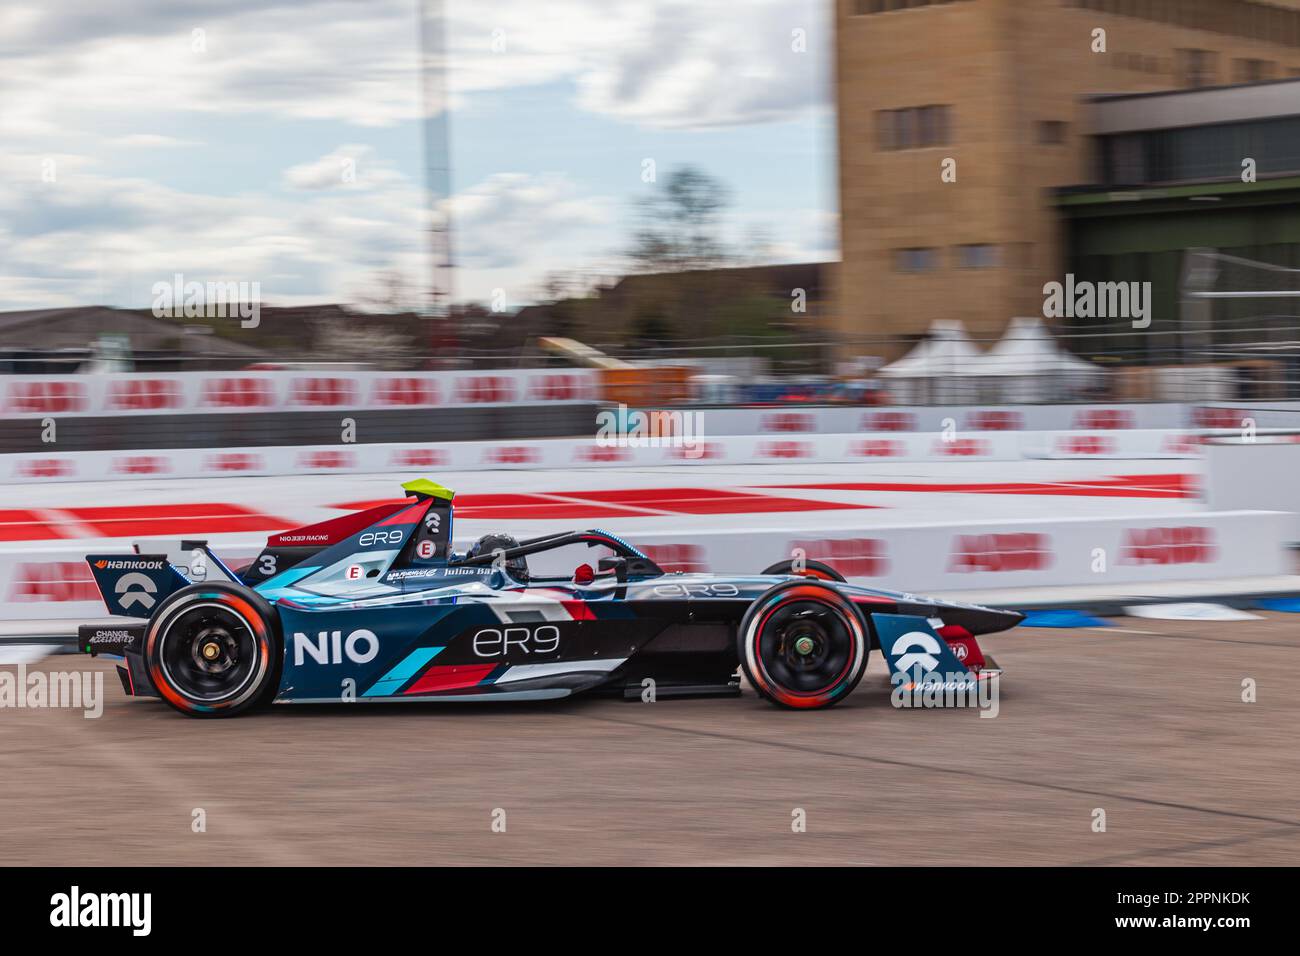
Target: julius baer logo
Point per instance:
(77, 909)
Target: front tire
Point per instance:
(214, 650)
(803, 645)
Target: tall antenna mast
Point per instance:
(437, 151)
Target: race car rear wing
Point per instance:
(132, 585)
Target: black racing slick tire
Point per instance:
(811, 569)
(803, 645)
(214, 650)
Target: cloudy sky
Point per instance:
(281, 141)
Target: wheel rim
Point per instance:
(209, 653)
(805, 646)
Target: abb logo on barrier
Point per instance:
(327, 460)
(1022, 551)
(784, 449)
(1085, 444)
(46, 397)
(1186, 545)
(687, 558)
(788, 422)
(556, 388)
(1100, 419)
(962, 448)
(1219, 417)
(1182, 444)
(233, 461)
(852, 557)
(419, 458)
(877, 448)
(889, 422)
(512, 455)
(994, 421)
(602, 453)
(53, 581)
(700, 451)
(485, 388)
(237, 393)
(45, 468)
(405, 391)
(319, 392)
(141, 465)
(144, 394)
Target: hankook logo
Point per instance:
(128, 564)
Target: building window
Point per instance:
(977, 256)
(1250, 70)
(916, 260)
(916, 127)
(1052, 132)
(1200, 153)
(1248, 19)
(1196, 68)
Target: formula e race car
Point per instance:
(376, 606)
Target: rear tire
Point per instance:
(214, 650)
(803, 645)
(812, 569)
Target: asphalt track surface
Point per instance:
(1143, 720)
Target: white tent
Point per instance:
(1032, 367)
(938, 370)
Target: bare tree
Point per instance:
(679, 228)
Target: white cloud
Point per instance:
(506, 219)
(92, 237)
(94, 88)
(673, 63)
(353, 166)
(151, 141)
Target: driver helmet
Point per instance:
(517, 568)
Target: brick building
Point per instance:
(1001, 87)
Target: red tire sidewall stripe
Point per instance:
(256, 625)
(821, 695)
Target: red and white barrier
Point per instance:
(1260, 473)
(566, 453)
(1139, 444)
(1119, 552)
(933, 418)
(483, 456)
(36, 396)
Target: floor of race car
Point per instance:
(1144, 721)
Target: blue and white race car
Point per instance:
(375, 606)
